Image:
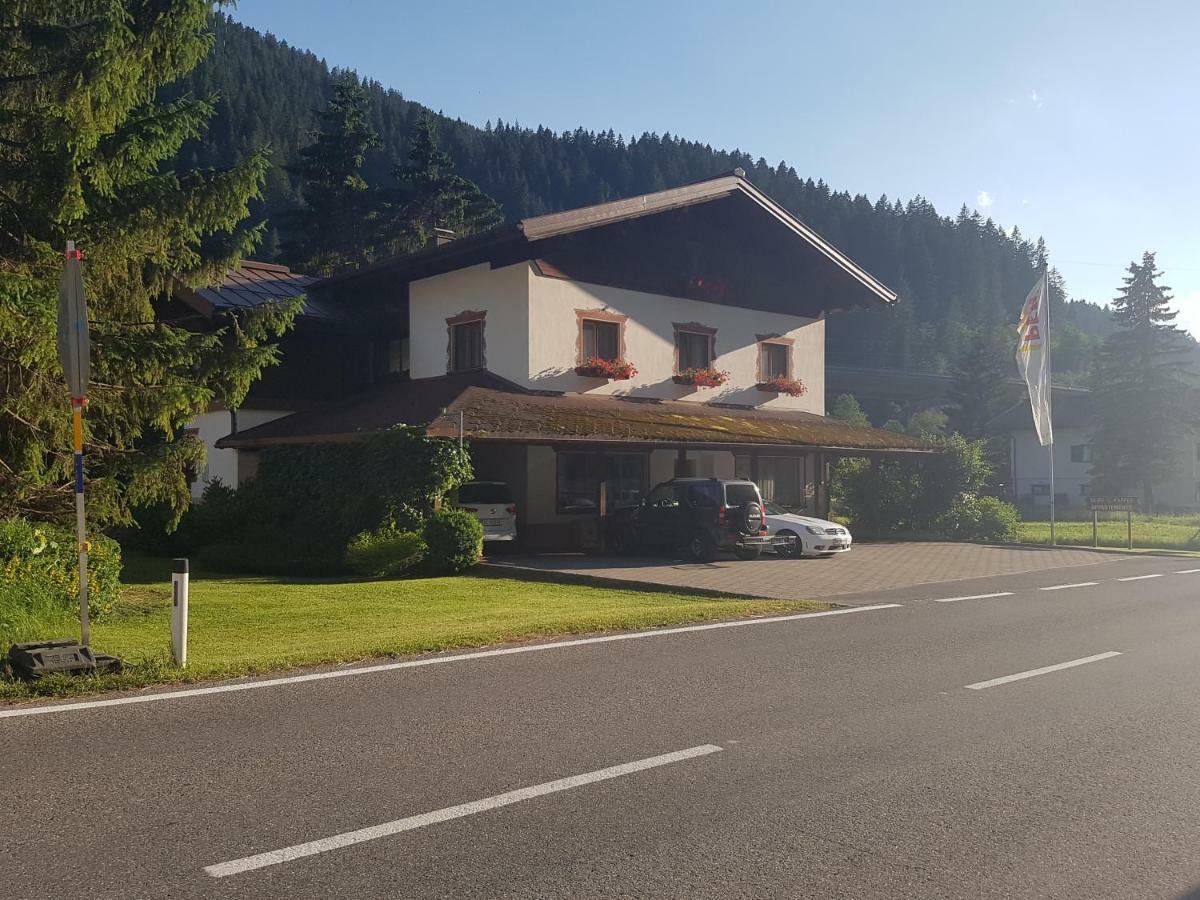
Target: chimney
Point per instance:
(442, 236)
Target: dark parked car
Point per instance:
(699, 516)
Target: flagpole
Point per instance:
(1049, 391)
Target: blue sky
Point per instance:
(1074, 121)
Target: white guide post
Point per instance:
(179, 611)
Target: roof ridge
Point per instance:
(264, 266)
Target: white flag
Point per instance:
(1033, 357)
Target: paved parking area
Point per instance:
(866, 568)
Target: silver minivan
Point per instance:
(491, 502)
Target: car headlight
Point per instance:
(811, 530)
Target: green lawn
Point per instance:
(241, 625)
(1149, 532)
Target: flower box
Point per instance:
(793, 387)
(708, 377)
(613, 369)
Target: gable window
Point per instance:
(601, 340)
(695, 347)
(774, 357)
(1081, 453)
(466, 348)
(601, 336)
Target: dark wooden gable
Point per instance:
(727, 251)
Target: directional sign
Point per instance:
(1113, 504)
(74, 346)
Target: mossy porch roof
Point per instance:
(496, 410)
(537, 418)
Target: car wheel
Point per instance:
(622, 542)
(793, 550)
(701, 548)
(747, 552)
(751, 518)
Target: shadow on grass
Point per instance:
(140, 570)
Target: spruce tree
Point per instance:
(85, 154)
(431, 195)
(335, 228)
(1142, 390)
(847, 408)
(982, 386)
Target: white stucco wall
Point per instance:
(224, 464)
(532, 330)
(501, 293)
(650, 344)
(1031, 465)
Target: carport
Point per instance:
(574, 458)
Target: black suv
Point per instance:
(698, 515)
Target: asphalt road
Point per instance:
(880, 752)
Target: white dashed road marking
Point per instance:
(349, 838)
(1064, 587)
(972, 597)
(1033, 673)
(1141, 577)
(1187, 571)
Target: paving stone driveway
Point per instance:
(868, 567)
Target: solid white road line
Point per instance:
(1141, 577)
(972, 597)
(1032, 673)
(1063, 587)
(1187, 571)
(428, 661)
(349, 838)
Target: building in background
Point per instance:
(1029, 461)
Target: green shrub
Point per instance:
(384, 553)
(219, 514)
(454, 539)
(306, 503)
(980, 519)
(911, 495)
(39, 579)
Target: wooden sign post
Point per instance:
(1127, 505)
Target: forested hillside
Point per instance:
(953, 275)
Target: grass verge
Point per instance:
(247, 625)
(1149, 532)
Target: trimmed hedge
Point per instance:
(455, 541)
(308, 503)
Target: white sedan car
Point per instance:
(812, 537)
